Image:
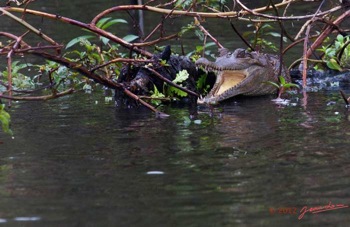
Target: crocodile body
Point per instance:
(242, 73)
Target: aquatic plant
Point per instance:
(283, 86)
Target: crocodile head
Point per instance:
(241, 73)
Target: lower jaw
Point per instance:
(207, 101)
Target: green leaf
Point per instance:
(178, 92)
(282, 80)
(106, 22)
(273, 84)
(201, 82)
(181, 76)
(15, 67)
(330, 52)
(340, 38)
(290, 85)
(104, 40)
(266, 26)
(130, 38)
(333, 64)
(112, 22)
(209, 44)
(78, 40)
(156, 93)
(182, 4)
(199, 34)
(274, 34)
(185, 29)
(164, 63)
(101, 22)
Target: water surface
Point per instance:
(79, 161)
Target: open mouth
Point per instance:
(225, 81)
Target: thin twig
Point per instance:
(241, 37)
(27, 25)
(346, 100)
(9, 64)
(129, 60)
(305, 56)
(172, 83)
(306, 40)
(255, 13)
(205, 31)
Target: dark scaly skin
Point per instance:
(256, 69)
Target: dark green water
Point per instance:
(78, 161)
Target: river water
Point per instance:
(79, 161)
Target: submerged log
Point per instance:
(142, 79)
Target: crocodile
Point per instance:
(242, 73)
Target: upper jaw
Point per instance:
(224, 64)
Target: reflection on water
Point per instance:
(75, 161)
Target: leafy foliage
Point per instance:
(156, 96)
(261, 35)
(337, 55)
(283, 86)
(202, 85)
(170, 92)
(195, 54)
(19, 80)
(180, 77)
(103, 24)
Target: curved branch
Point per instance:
(255, 13)
(27, 25)
(153, 42)
(89, 27)
(187, 13)
(8, 48)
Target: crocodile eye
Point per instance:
(241, 54)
